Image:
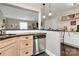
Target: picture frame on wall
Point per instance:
(73, 23)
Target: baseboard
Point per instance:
(49, 53)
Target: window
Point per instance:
(23, 25)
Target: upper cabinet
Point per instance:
(70, 17)
(77, 15)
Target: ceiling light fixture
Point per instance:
(50, 12)
(44, 11)
(72, 4)
(44, 16)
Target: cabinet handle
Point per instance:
(26, 52)
(26, 44)
(0, 53)
(26, 37)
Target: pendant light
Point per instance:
(44, 11)
(72, 4)
(50, 12)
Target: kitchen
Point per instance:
(34, 35)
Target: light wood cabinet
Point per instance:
(77, 15)
(7, 42)
(8, 47)
(30, 37)
(25, 45)
(9, 50)
(26, 51)
(70, 17)
(17, 46)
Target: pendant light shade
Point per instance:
(44, 11)
(72, 4)
(44, 16)
(50, 13)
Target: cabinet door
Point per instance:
(67, 38)
(24, 43)
(26, 52)
(74, 39)
(9, 50)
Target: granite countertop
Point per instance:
(71, 31)
(3, 37)
(40, 29)
(6, 36)
(35, 29)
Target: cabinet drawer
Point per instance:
(7, 42)
(26, 52)
(9, 50)
(25, 43)
(26, 37)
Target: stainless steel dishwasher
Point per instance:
(39, 43)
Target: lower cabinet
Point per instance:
(26, 52)
(67, 50)
(9, 50)
(17, 46)
(25, 45)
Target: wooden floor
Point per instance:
(67, 50)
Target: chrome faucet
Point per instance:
(2, 32)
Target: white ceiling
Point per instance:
(14, 12)
(31, 6)
(57, 8)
